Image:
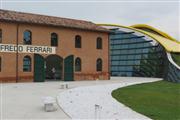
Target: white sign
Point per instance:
(27, 49)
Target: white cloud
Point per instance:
(168, 23)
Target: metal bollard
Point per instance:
(64, 86)
(97, 111)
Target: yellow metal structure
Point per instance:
(141, 26)
(169, 43)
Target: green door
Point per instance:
(39, 71)
(68, 68)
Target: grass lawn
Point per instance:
(176, 57)
(158, 100)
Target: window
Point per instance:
(27, 64)
(77, 41)
(54, 39)
(0, 36)
(99, 65)
(99, 43)
(27, 37)
(78, 64)
(0, 64)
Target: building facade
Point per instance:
(142, 51)
(137, 55)
(38, 48)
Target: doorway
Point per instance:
(53, 67)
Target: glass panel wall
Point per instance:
(133, 55)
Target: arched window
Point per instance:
(99, 43)
(78, 64)
(0, 35)
(27, 64)
(99, 65)
(54, 39)
(77, 41)
(27, 37)
(0, 64)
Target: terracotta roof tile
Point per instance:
(12, 16)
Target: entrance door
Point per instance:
(54, 66)
(68, 68)
(39, 72)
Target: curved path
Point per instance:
(79, 103)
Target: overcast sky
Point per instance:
(162, 14)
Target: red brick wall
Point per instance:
(66, 46)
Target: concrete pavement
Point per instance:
(24, 100)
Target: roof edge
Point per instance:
(137, 26)
(18, 22)
(95, 29)
(141, 31)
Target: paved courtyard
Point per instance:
(24, 100)
(80, 102)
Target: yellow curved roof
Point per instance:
(169, 43)
(139, 26)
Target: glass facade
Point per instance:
(135, 55)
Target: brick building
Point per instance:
(38, 48)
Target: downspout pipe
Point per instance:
(17, 52)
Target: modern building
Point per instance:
(38, 48)
(141, 50)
